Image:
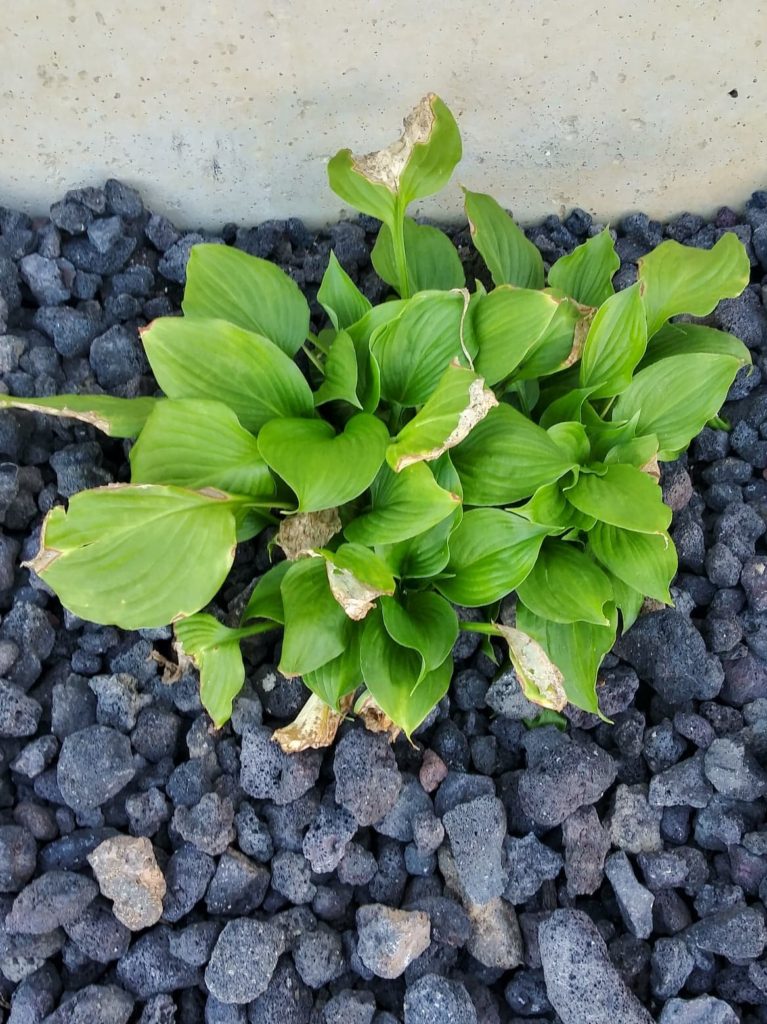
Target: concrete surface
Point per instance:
(229, 109)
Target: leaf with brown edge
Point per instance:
(652, 468)
(540, 679)
(357, 577)
(374, 718)
(304, 532)
(314, 727)
(117, 417)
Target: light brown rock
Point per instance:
(388, 940)
(128, 874)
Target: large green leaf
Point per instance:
(507, 457)
(510, 257)
(622, 496)
(317, 629)
(576, 648)
(414, 350)
(138, 555)
(391, 674)
(266, 600)
(454, 408)
(491, 553)
(646, 562)
(675, 397)
(680, 339)
(324, 469)
(678, 278)
(432, 259)
(340, 676)
(507, 325)
(402, 505)
(199, 444)
(340, 297)
(192, 357)
(587, 272)
(117, 417)
(226, 284)
(565, 585)
(615, 344)
(424, 622)
(341, 371)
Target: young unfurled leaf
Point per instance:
(300, 534)
(357, 577)
(510, 257)
(646, 562)
(491, 553)
(313, 728)
(678, 278)
(424, 555)
(340, 381)
(508, 324)
(565, 585)
(199, 444)
(324, 469)
(224, 283)
(402, 505)
(586, 273)
(576, 648)
(317, 629)
(622, 496)
(507, 457)
(432, 259)
(615, 344)
(341, 675)
(117, 417)
(549, 507)
(215, 650)
(457, 404)
(418, 164)
(423, 622)
(414, 350)
(572, 438)
(340, 297)
(137, 556)
(192, 357)
(539, 677)
(266, 600)
(639, 451)
(675, 397)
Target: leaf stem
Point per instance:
(323, 346)
(487, 628)
(400, 257)
(313, 359)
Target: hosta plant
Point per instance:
(445, 449)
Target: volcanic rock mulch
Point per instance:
(154, 870)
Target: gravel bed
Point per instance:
(153, 870)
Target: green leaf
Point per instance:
(357, 576)
(340, 383)
(628, 602)
(324, 469)
(623, 496)
(586, 273)
(418, 164)
(507, 325)
(549, 507)
(570, 406)
(681, 339)
(215, 650)
(137, 556)
(432, 259)
(424, 555)
(225, 284)
(340, 297)
(646, 562)
(197, 358)
(678, 278)
(576, 648)
(565, 585)
(615, 344)
(572, 438)
(414, 350)
(639, 451)
(199, 444)
(507, 457)
(560, 344)
(266, 600)
(391, 675)
(363, 330)
(675, 398)
(424, 622)
(510, 257)
(402, 505)
(117, 417)
(491, 553)
(454, 408)
(342, 675)
(317, 629)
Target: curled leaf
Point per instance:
(385, 166)
(374, 718)
(314, 727)
(539, 677)
(301, 534)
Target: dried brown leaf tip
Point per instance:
(539, 677)
(385, 166)
(172, 670)
(300, 535)
(652, 468)
(375, 720)
(314, 727)
(355, 597)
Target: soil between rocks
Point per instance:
(152, 870)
